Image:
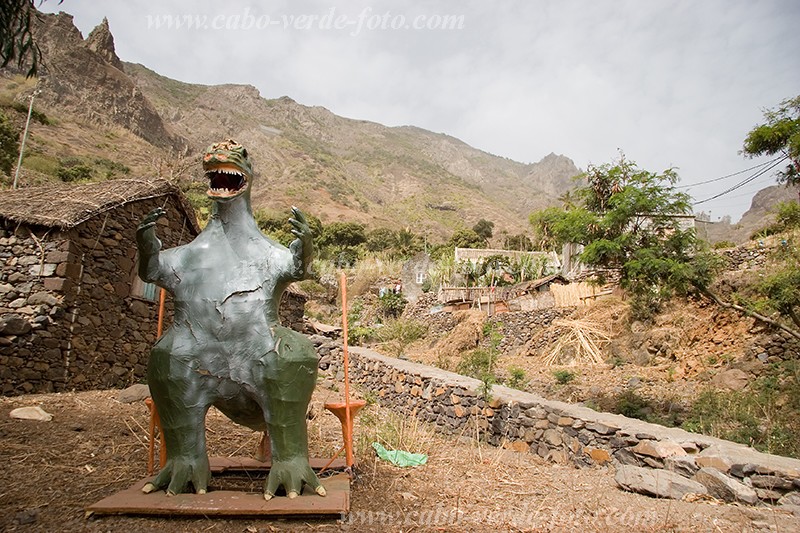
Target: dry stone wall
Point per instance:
(67, 316)
(564, 432)
(68, 319)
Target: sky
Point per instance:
(669, 83)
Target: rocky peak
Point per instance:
(101, 42)
(553, 174)
(85, 78)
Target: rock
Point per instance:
(770, 482)
(599, 456)
(659, 483)
(793, 498)
(134, 393)
(601, 428)
(720, 462)
(31, 413)
(627, 457)
(681, 464)
(723, 487)
(742, 469)
(733, 379)
(14, 325)
(658, 449)
(553, 437)
(42, 297)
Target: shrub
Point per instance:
(476, 363)
(75, 173)
(765, 416)
(392, 304)
(563, 376)
(517, 379)
(399, 333)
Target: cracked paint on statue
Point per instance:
(226, 347)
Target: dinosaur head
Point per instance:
(228, 170)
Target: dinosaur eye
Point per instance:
(244, 152)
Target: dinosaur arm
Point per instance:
(302, 247)
(152, 267)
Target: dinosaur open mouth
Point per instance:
(225, 182)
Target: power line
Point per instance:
(775, 163)
(726, 177)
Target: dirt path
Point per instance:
(95, 446)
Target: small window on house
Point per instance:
(420, 278)
(144, 290)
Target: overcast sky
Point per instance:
(670, 83)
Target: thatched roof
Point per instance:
(65, 206)
(527, 286)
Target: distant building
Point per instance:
(414, 275)
(550, 260)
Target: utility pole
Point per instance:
(24, 138)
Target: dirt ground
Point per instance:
(690, 344)
(96, 446)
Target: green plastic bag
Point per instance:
(400, 457)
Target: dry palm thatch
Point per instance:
(579, 343)
(66, 206)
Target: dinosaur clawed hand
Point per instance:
(178, 473)
(150, 219)
(291, 475)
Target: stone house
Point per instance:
(73, 312)
(413, 276)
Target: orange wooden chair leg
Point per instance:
(155, 422)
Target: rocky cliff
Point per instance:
(85, 79)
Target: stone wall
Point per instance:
(562, 432)
(746, 257)
(67, 317)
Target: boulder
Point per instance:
(723, 487)
(31, 413)
(134, 393)
(733, 379)
(658, 449)
(659, 483)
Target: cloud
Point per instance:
(670, 83)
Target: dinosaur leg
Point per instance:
(289, 374)
(181, 398)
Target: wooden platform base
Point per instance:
(229, 503)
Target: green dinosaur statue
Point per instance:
(226, 347)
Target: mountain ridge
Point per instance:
(335, 167)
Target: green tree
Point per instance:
(466, 238)
(274, 226)
(484, 228)
(347, 234)
(9, 144)
(780, 134)
(406, 243)
(380, 239)
(519, 242)
(628, 219)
